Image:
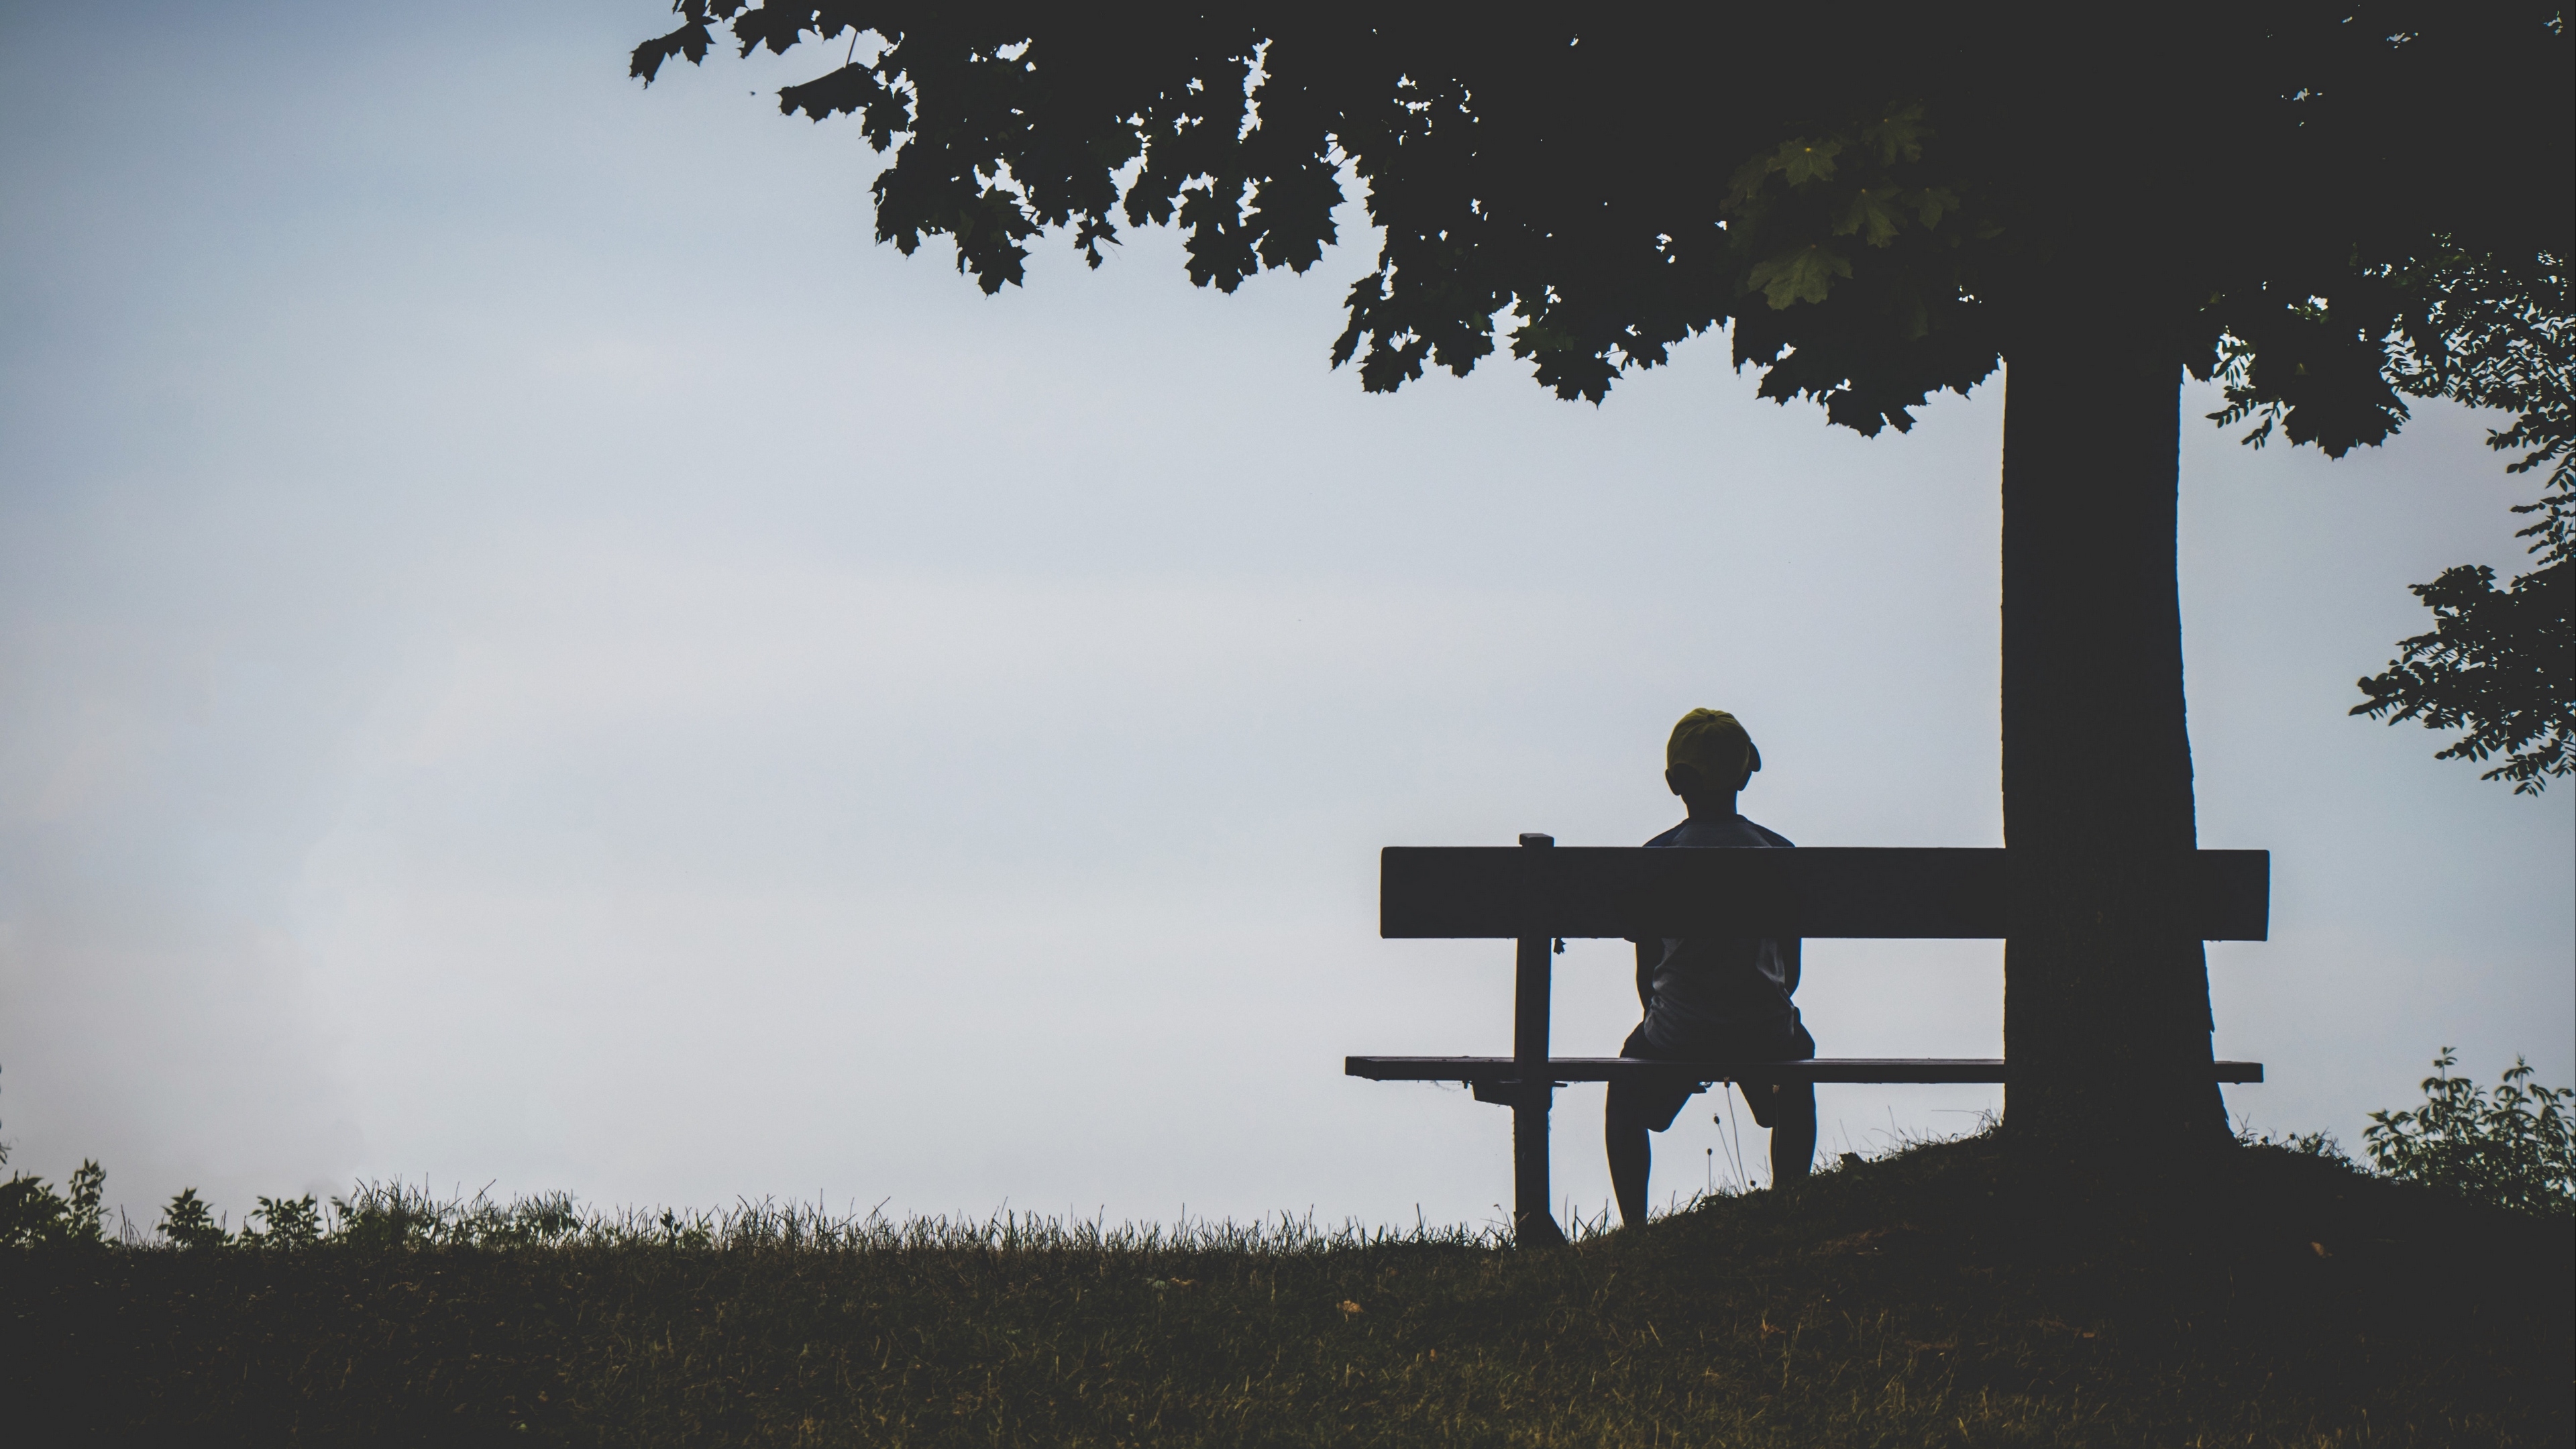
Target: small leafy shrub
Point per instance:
(33, 1215)
(2515, 1149)
(284, 1223)
(188, 1223)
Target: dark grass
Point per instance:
(1953, 1294)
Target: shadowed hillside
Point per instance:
(1938, 1296)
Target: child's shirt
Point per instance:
(1724, 993)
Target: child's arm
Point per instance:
(1650, 954)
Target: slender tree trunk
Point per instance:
(2106, 1003)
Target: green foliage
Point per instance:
(2490, 334)
(33, 1215)
(2516, 1149)
(284, 1223)
(189, 1224)
(2499, 664)
(1903, 202)
(1816, 198)
(1892, 200)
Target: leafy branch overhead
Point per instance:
(2334, 208)
(1614, 183)
(2500, 663)
(2495, 666)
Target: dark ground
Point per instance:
(1950, 1295)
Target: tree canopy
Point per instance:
(2330, 206)
(1862, 205)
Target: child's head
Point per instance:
(1709, 753)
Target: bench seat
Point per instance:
(1473, 1070)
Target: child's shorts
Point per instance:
(1657, 1101)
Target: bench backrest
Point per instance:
(1495, 892)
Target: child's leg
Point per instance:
(1632, 1156)
(1793, 1130)
(1636, 1108)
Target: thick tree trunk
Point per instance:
(2106, 1003)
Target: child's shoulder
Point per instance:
(1770, 835)
(1737, 833)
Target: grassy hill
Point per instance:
(1941, 1296)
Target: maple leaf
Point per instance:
(1869, 213)
(1803, 160)
(1804, 275)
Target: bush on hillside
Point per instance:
(33, 1215)
(189, 1223)
(2515, 1149)
(285, 1223)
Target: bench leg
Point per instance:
(1533, 1224)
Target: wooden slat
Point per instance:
(1813, 1069)
(1492, 893)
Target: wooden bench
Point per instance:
(1538, 895)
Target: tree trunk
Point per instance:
(2106, 1002)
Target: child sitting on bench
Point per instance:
(1723, 996)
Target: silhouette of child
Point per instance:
(1721, 996)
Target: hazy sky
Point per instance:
(532, 652)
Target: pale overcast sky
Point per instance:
(535, 653)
